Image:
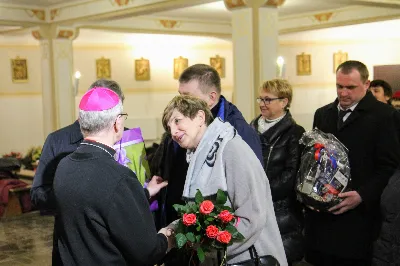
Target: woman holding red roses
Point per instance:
(221, 160)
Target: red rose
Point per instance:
(224, 237)
(225, 216)
(206, 207)
(212, 231)
(189, 219)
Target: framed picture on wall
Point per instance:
(303, 63)
(218, 63)
(180, 64)
(19, 70)
(103, 68)
(142, 69)
(339, 58)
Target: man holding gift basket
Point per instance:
(343, 234)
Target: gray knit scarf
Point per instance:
(206, 171)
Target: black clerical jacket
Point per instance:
(103, 215)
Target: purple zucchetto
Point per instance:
(98, 99)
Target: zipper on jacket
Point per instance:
(270, 151)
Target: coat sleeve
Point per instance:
(131, 224)
(317, 116)
(42, 195)
(285, 184)
(250, 136)
(387, 158)
(246, 191)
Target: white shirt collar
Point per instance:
(351, 107)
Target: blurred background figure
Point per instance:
(396, 100)
(381, 90)
(387, 246)
(279, 135)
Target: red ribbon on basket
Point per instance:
(318, 147)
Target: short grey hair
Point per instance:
(93, 122)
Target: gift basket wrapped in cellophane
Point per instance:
(324, 170)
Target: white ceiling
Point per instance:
(217, 11)
(382, 31)
(41, 3)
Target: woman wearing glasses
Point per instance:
(279, 135)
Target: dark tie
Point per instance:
(340, 117)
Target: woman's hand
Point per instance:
(155, 185)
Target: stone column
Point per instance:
(255, 49)
(58, 93)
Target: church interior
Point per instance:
(52, 50)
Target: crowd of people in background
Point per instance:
(102, 214)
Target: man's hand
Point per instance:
(351, 200)
(170, 234)
(156, 183)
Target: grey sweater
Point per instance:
(250, 196)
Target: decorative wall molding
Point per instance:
(274, 3)
(120, 2)
(54, 13)
(36, 34)
(169, 24)
(65, 34)
(38, 13)
(323, 17)
(234, 4)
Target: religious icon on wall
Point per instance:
(103, 68)
(303, 62)
(19, 69)
(142, 69)
(180, 64)
(219, 64)
(339, 58)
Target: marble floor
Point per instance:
(26, 240)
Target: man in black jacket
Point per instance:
(344, 235)
(169, 162)
(58, 145)
(103, 215)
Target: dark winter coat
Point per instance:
(281, 154)
(371, 137)
(387, 246)
(103, 215)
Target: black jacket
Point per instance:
(387, 246)
(103, 215)
(371, 137)
(58, 145)
(281, 153)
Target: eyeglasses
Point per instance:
(268, 101)
(123, 115)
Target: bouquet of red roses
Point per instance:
(206, 225)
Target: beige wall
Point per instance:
(318, 89)
(21, 104)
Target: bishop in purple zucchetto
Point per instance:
(98, 99)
